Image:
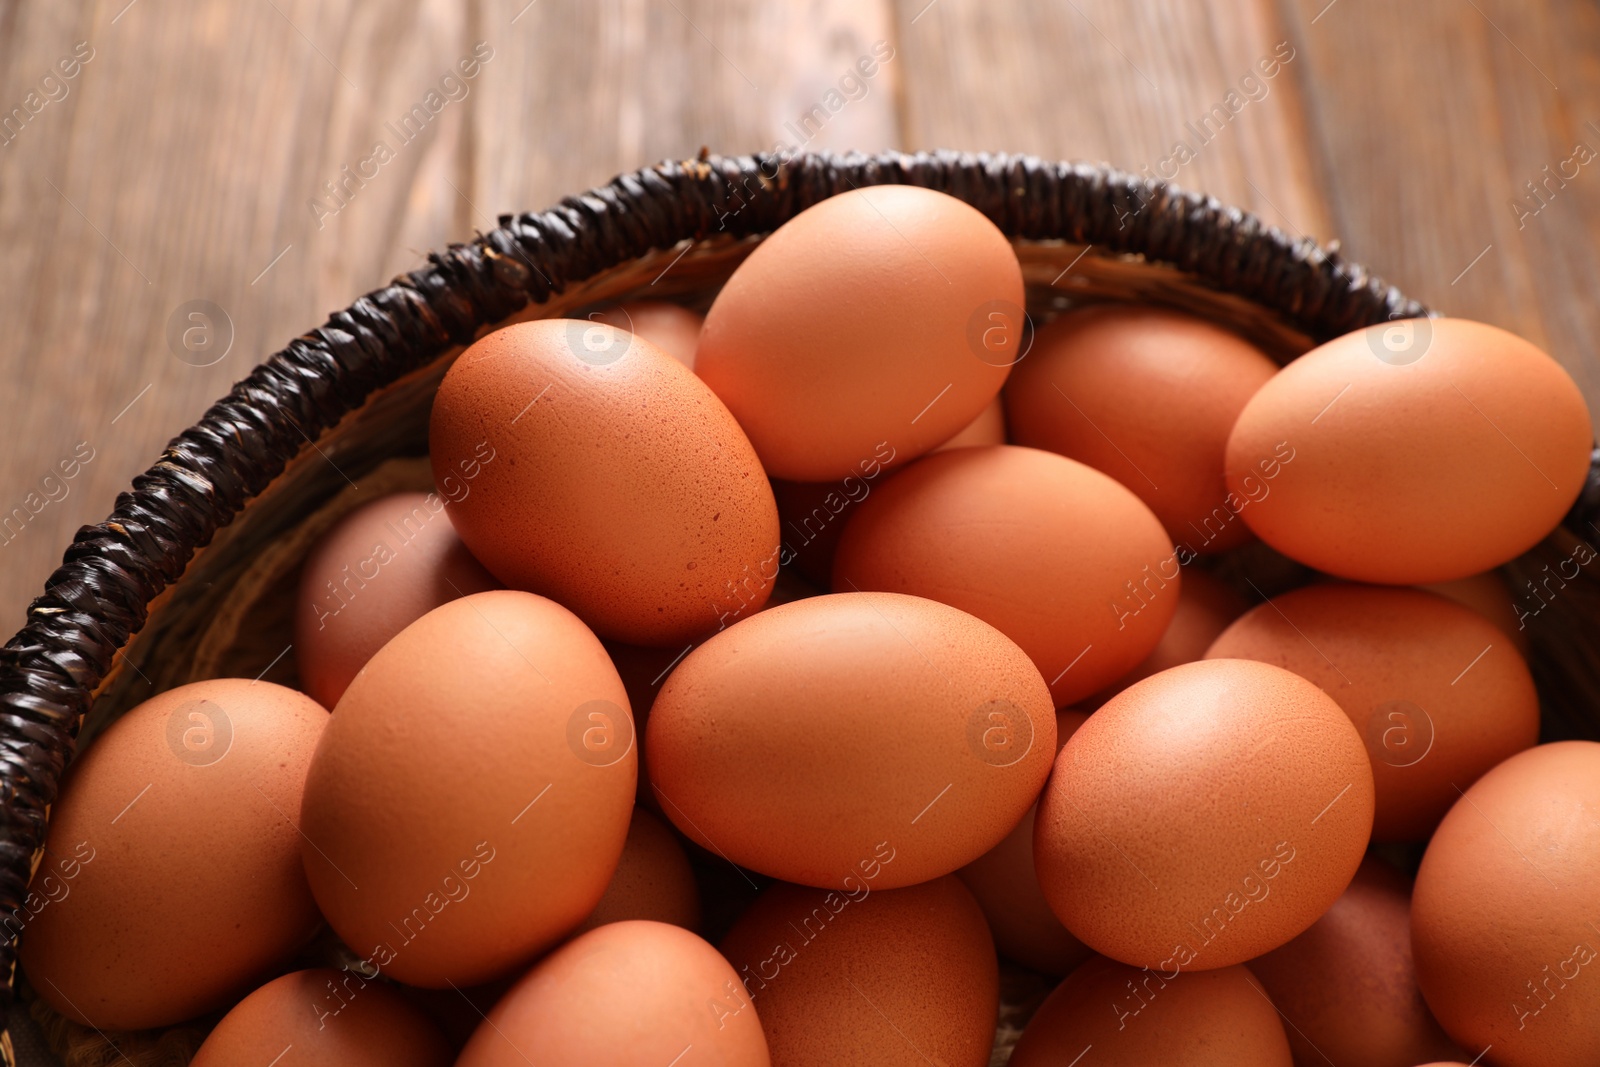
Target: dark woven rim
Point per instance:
(100, 595)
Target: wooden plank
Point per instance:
(1133, 85)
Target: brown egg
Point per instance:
(1107, 1014)
(822, 737)
(171, 880)
(879, 317)
(1489, 594)
(1504, 911)
(989, 428)
(469, 802)
(1000, 532)
(559, 427)
(1436, 691)
(652, 881)
(870, 977)
(671, 327)
(378, 570)
(1204, 816)
(324, 1018)
(629, 994)
(1412, 452)
(1147, 395)
(1347, 985)
(1006, 887)
(1206, 606)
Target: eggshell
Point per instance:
(378, 570)
(860, 975)
(812, 516)
(989, 428)
(1149, 396)
(563, 436)
(1206, 607)
(629, 994)
(1437, 692)
(822, 736)
(1111, 1015)
(1006, 887)
(652, 881)
(1348, 985)
(1504, 910)
(324, 1018)
(1001, 532)
(1422, 451)
(171, 878)
(1489, 594)
(469, 802)
(671, 327)
(883, 315)
(1204, 816)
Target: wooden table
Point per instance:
(179, 160)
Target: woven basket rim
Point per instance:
(100, 595)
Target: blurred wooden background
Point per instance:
(180, 160)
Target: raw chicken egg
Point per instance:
(628, 994)
(378, 570)
(1149, 396)
(602, 473)
(469, 802)
(1503, 913)
(1204, 816)
(171, 879)
(1438, 693)
(821, 736)
(1053, 554)
(324, 1018)
(860, 976)
(1107, 1014)
(1412, 452)
(882, 317)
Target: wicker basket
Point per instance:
(137, 607)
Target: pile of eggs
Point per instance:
(748, 688)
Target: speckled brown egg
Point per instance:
(1006, 887)
(1055, 555)
(889, 315)
(1348, 984)
(1411, 452)
(652, 880)
(1438, 693)
(839, 731)
(378, 570)
(671, 327)
(1148, 395)
(469, 802)
(860, 976)
(1504, 910)
(171, 879)
(1206, 607)
(628, 994)
(1204, 816)
(1107, 1014)
(324, 1018)
(557, 429)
